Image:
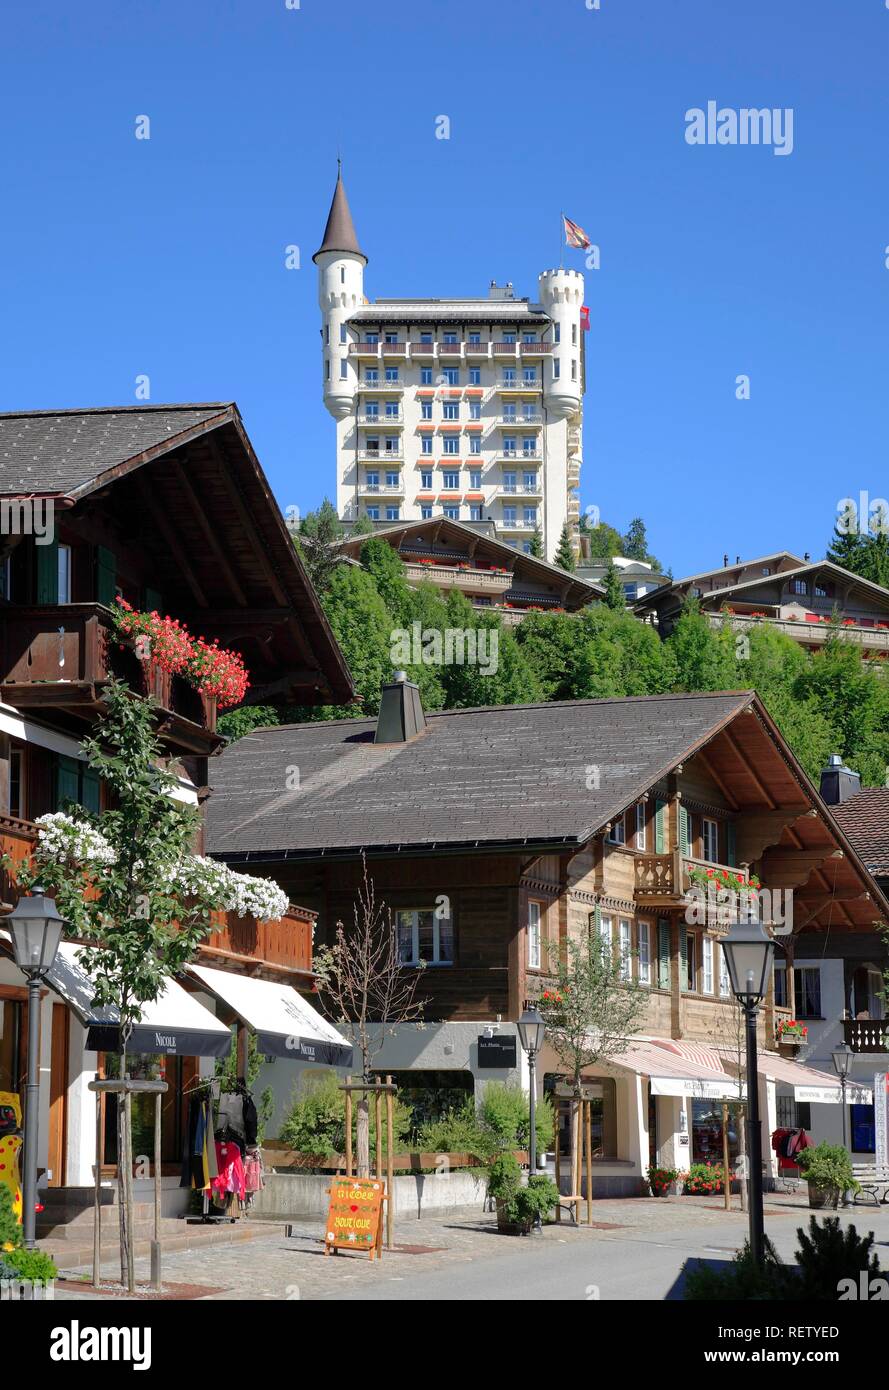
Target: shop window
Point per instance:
(431, 1094)
(145, 1067)
(793, 1114)
(706, 1132)
(863, 1129)
(603, 1113)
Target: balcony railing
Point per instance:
(382, 489)
(379, 422)
(364, 349)
(504, 524)
(287, 942)
(519, 422)
(450, 349)
(536, 349)
(381, 456)
(656, 874)
(518, 386)
(866, 1034)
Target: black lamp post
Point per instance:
(36, 929)
(531, 1033)
(843, 1057)
(748, 952)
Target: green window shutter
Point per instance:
(152, 601)
(730, 850)
(663, 953)
(106, 575)
(684, 832)
(47, 572)
(660, 827)
(91, 783)
(67, 780)
(683, 958)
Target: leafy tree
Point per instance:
(362, 527)
(564, 556)
(603, 541)
(362, 625)
(704, 656)
(386, 567)
(235, 723)
(614, 591)
(316, 542)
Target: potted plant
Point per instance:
(827, 1169)
(703, 1179)
(518, 1207)
(661, 1180)
(789, 1030)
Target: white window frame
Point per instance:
(613, 838)
(625, 947)
(641, 827)
(725, 984)
(606, 930)
(64, 569)
(707, 965)
(535, 918)
(709, 830)
(414, 914)
(643, 939)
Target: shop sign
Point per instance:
(497, 1052)
(881, 1118)
(353, 1217)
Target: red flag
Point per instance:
(574, 235)
(585, 317)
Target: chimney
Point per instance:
(838, 782)
(401, 715)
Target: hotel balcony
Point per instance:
(505, 349)
(520, 422)
(380, 388)
(502, 524)
(381, 489)
(477, 349)
(866, 1034)
(59, 657)
(368, 420)
(519, 490)
(536, 349)
(368, 350)
(385, 456)
(521, 388)
(450, 349)
(424, 350)
(394, 349)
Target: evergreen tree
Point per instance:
(614, 592)
(363, 527)
(847, 548)
(537, 544)
(317, 544)
(564, 556)
(635, 542)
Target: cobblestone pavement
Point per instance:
(451, 1251)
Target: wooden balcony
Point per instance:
(16, 839)
(450, 577)
(866, 1034)
(59, 656)
(662, 879)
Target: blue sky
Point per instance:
(166, 257)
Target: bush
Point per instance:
(505, 1113)
(705, 1177)
(827, 1254)
(742, 1279)
(458, 1131)
(828, 1166)
(538, 1199)
(518, 1205)
(316, 1120)
(30, 1265)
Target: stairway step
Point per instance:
(69, 1255)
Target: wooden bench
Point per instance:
(872, 1181)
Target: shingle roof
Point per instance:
(339, 234)
(865, 820)
(504, 775)
(63, 451)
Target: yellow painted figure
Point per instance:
(10, 1145)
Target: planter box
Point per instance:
(823, 1197)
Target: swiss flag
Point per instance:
(585, 318)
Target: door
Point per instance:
(58, 1098)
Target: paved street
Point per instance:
(636, 1251)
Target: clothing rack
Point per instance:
(212, 1084)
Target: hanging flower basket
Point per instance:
(718, 877)
(167, 649)
(791, 1031)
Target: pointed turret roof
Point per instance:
(339, 234)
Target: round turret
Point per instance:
(561, 295)
(340, 263)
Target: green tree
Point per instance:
(362, 527)
(537, 545)
(363, 626)
(603, 541)
(614, 591)
(704, 656)
(235, 723)
(564, 556)
(316, 542)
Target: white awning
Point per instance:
(815, 1087)
(174, 1023)
(285, 1024)
(672, 1075)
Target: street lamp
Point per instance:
(843, 1057)
(36, 929)
(748, 951)
(531, 1033)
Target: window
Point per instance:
(450, 479)
(425, 376)
(617, 833)
(391, 338)
(531, 516)
(625, 947)
(344, 369)
(710, 841)
(372, 410)
(643, 936)
(557, 333)
(725, 986)
(529, 446)
(425, 512)
(509, 411)
(17, 806)
(327, 369)
(343, 335)
(424, 936)
(509, 376)
(799, 586)
(426, 444)
(475, 513)
(707, 964)
(373, 478)
(392, 374)
(529, 482)
(475, 340)
(64, 559)
(509, 516)
(806, 990)
(690, 971)
(765, 570)
(451, 410)
(392, 410)
(475, 478)
(475, 445)
(509, 444)
(392, 479)
(425, 410)
(475, 410)
(821, 590)
(393, 513)
(508, 337)
(528, 411)
(451, 445)
(641, 839)
(605, 931)
(426, 477)
(449, 337)
(557, 369)
(425, 337)
(327, 333)
(534, 956)
(574, 335)
(509, 482)
(6, 578)
(451, 512)
(451, 376)
(392, 444)
(695, 591)
(573, 368)
(529, 375)
(372, 377)
(475, 376)
(373, 513)
(372, 338)
(529, 337)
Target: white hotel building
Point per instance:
(470, 409)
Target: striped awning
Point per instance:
(672, 1075)
(695, 1052)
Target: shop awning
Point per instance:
(285, 1024)
(672, 1075)
(816, 1087)
(174, 1023)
